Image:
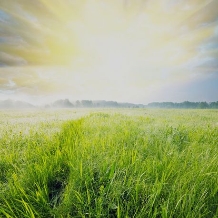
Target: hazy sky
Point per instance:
(125, 50)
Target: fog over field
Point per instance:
(137, 51)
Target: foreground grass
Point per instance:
(113, 165)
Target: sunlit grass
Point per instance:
(114, 163)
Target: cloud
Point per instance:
(108, 47)
(9, 60)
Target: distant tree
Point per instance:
(185, 104)
(86, 103)
(203, 105)
(112, 104)
(67, 103)
(78, 104)
(213, 105)
(62, 103)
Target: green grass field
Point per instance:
(109, 163)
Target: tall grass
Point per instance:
(114, 165)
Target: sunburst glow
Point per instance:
(124, 50)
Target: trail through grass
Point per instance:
(114, 165)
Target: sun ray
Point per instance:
(125, 44)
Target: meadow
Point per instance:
(109, 163)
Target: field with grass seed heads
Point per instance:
(109, 163)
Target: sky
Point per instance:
(137, 51)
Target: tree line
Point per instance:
(114, 104)
(185, 104)
(66, 103)
(92, 104)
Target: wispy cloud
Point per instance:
(94, 48)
